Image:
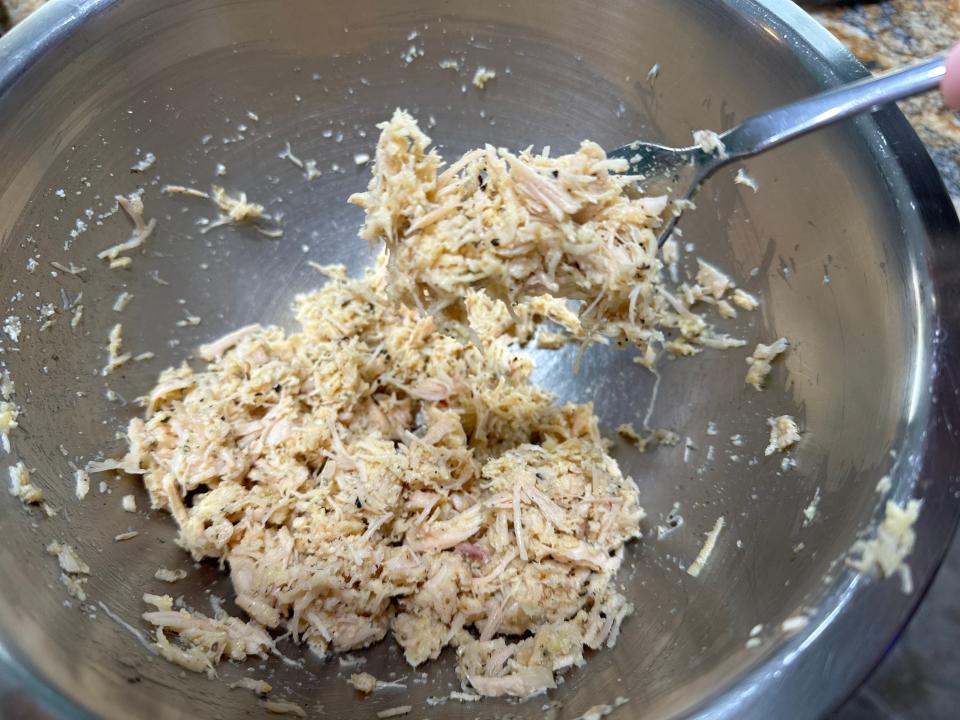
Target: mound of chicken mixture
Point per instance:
(389, 468)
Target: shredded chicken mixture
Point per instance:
(374, 473)
(370, 474)
(523, 226)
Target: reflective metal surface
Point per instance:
(680, 171)
(850, 241)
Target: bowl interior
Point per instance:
(204, 83)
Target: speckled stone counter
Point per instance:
(890, 34)
(920, 677)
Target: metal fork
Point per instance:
(679, 172)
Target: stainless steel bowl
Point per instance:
(851, 242)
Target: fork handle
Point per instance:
(762, 132)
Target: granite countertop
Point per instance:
(919, 677)
(890, 34)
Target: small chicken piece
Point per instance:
(363, 682)
(743, 179)
(8, 421)
(886, 552)
(761, 359)
(21, 487)
(744, 300)
(482, 76)
(712, 280)
(169, 576)
(260, 687)
(81, 481)
(710, 142)
(783, 434)
(69, 561)
(283, 707)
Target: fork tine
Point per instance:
(662, 170)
